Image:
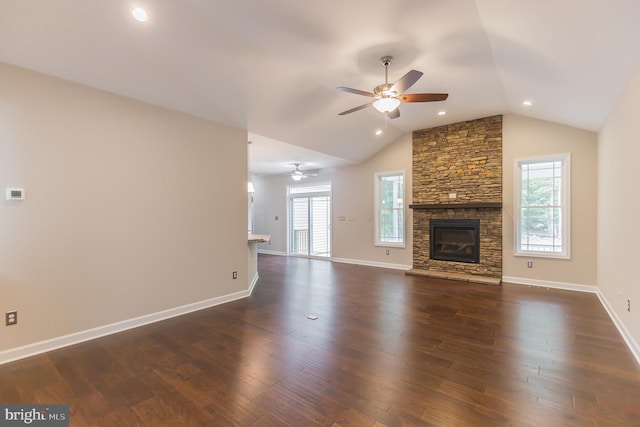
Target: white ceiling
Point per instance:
(272, 66)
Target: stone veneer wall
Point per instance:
(463, 158)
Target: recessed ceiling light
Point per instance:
(140, 14)
(442, 113)
(379, 132)
(527, 103)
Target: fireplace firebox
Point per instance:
(455, 240)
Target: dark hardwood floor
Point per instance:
(386, 350)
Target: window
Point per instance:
(389, 209)
(542, 206)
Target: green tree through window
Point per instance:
(390, 209)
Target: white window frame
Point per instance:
(565, 205)
(378, 208)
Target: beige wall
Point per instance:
(124, 210)
(618, 207)
(269, 203)
(525, 137)
(353, 196)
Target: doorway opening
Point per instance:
(310, 220)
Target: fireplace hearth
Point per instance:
(455, 240)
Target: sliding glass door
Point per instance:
(310, 220)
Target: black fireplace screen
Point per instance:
(455, 240)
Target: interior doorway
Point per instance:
(309, 218)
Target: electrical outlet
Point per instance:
(387, 251)
(235, 274)
(11, 318)
(629, 305)
(529, 264)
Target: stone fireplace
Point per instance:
(457, 179)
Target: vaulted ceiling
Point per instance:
(272, 66)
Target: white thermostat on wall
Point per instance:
(15, 193)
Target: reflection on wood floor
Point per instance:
(386, 349)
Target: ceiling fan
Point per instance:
(390, 96)
(297, 174)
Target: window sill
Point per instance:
(391, 245)
(542, 255)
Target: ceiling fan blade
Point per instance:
(356, 91)
(423, 97)
(406, 81)
(394, 114)
(353, 110)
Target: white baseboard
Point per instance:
(268, 252)
(548, 284)
(626, 336)
(253, 283)
(631, 343)
(372, 263)
(101, 331)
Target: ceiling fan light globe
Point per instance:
(296, 177)
(386, 105)
(140, 14)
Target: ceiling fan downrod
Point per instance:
(386, 60)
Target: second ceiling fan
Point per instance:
(390, 96)
(297, 174)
